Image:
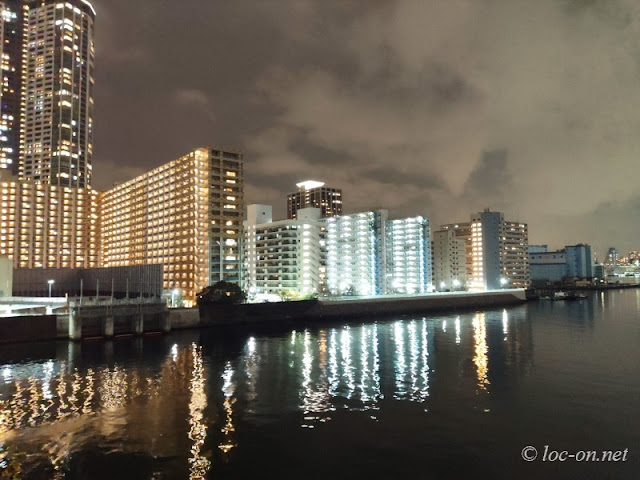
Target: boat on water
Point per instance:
(561, 295)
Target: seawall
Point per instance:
(355, 307)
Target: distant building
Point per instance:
(186, 215)
(408, 256)
(449, 261)
(538, 248)
(356, 253)
(611, 259)
(574, 261)
(496, 249)
(312, 194)
(282, 257)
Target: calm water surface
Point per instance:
(435, 397)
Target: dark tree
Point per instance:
(223, 293)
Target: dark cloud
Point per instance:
(490, 181)
(395, 101)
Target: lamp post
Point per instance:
(50, 282)
(174, 293)
(503, 281)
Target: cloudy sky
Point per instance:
(430, 107)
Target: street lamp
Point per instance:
(456, 284)
(442, 285)
(50, 282)
(503, 281)
(174, 293)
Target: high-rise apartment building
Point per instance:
(356, 253)
(186, 215)
(48, 226)
(11, 46)
(312, 194)
(408, 256)
(282, 257)
(496, 249)
(449, 261)
(58, 79)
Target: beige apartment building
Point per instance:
(48, 226)
(449, 261)
(186, 215)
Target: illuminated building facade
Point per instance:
(48, 226)
(356, 253)
(496, 249)
(408, 256)
(312, 194)
(185, 215)
(449, 261)
(282, 257)
(11, 36)
(58, 80)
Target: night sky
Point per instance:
(426, 107)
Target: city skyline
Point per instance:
(452, 118)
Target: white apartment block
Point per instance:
(356, 253)
(408, 256)
(282, 257)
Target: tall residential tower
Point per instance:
(58, 78)
(11, 46)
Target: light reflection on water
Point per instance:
(349, 368)
(186, 403)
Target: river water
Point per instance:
(434, 397)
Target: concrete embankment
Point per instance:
(355, 307)
(91, 322)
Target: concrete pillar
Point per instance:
(138, 323)
(165, 322)
(75, 325)
(107, 327)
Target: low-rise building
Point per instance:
(573, 261)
